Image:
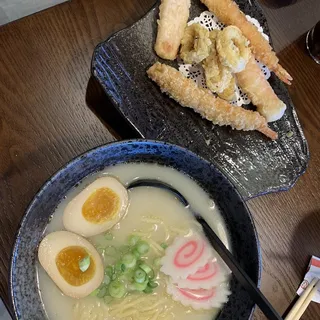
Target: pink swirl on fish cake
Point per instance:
(199, 298)
(205, 277)
(198, 294)
(185, 256)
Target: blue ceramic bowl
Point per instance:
(23, 282)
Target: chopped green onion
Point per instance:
(123, 277)
(139, 276)
(152, 284)
(145, 268)
(94, 292)
(114, 277)
(164, 245)
(147, 290)
(108, 236)
(84, 263)
(102, 292)
(117, 289)
(133, 240)
(128, 272)
(142, 247)
(129, 260)
(107, 299)
(141, 286)
(123, 267)
(117, 266)
(151, 275)
(157, 262)
(140, 261)
(109, 270)
(136, 253)
(106, 279)
(124, 249)
(110, 251)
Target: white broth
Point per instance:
(157, 216)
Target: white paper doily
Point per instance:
(195, 71)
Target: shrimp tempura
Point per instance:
(252, 81)
(220, 112)
(228, 12)
(174, 15)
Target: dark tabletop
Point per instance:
(51, 111)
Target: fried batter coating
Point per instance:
(229, 93)
(261, 94)
(233, 48)
(220, 112)
(228, 12)
(217, 76)
(173, 15)
(195, 44)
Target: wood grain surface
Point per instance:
(49, 108)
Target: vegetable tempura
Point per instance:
(174, 15)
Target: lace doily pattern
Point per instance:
(195, 72)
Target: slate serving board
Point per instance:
(255, 164)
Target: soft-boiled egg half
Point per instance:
(72, 263)
(97, 208)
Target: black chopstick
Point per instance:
(255, 294)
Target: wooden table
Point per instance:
(45, 121)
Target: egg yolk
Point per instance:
(101, 206)
(67, 262)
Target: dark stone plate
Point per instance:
(255, 164)
(23, 282)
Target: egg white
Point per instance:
(74, 221)
(50, 247)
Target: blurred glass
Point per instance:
(313, 43)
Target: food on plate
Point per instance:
(253, 83)
(227, 61)
(195, 44)
(228, 53)
(173, 15)
(97, 208)
(195, 279)
(229, 93)
(220, 112)
(218, 76)
(199, 298)
(185, 256)
(208, 276)
(233, 48)
(117, 275)
(72, 263)
(228, 12)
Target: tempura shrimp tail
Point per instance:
(252, 81)
(228, 12)
(282, 74)
(220, 112)
(174, 15)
